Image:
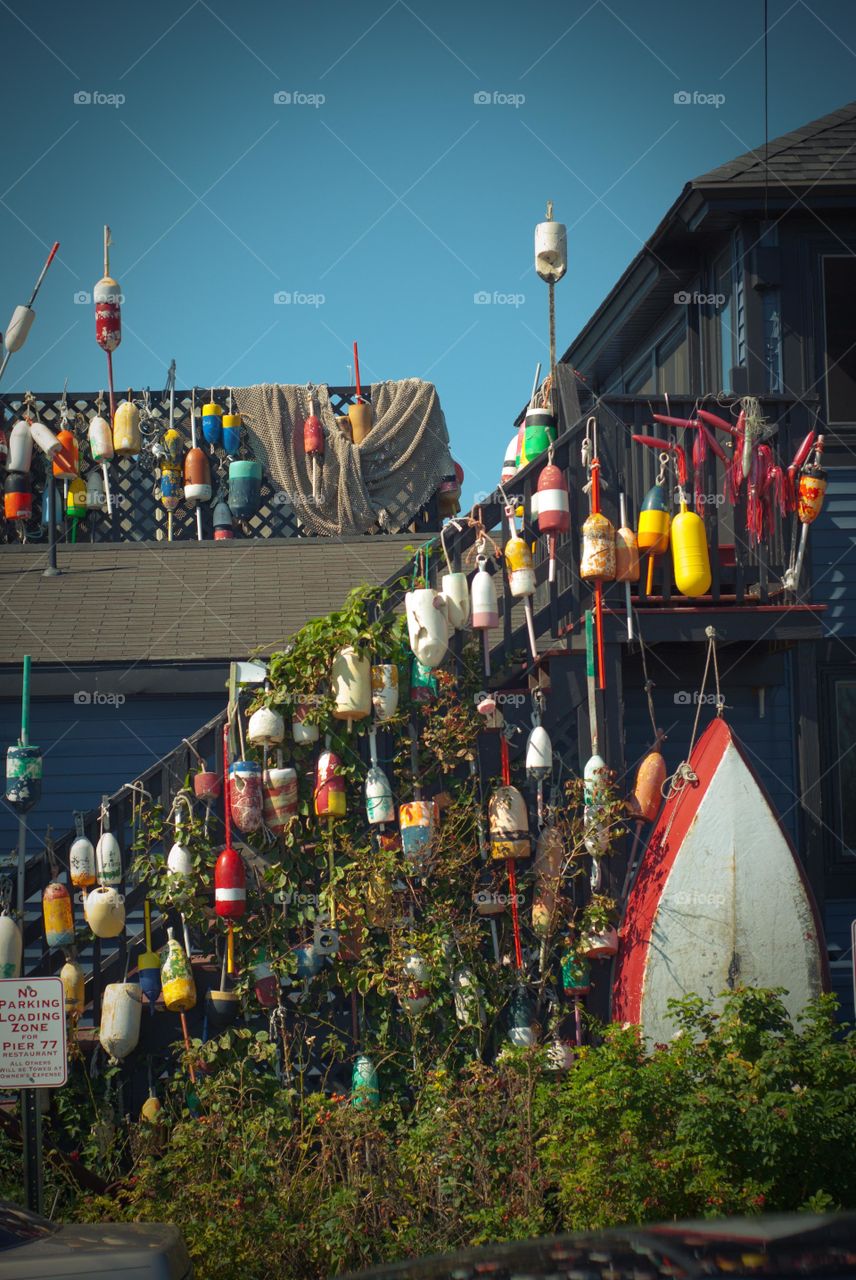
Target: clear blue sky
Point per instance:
(398, 198)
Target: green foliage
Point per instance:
(741, 1112)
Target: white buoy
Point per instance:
(427, 625)
(121, 1011)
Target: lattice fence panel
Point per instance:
(139, 515)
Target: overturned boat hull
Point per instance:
(720, 900)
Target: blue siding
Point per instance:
(832, 543)
(89, 751)
(837, 918)
(768, 742)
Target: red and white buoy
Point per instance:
(554, 509)
(107, 297)
(313, 441)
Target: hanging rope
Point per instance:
(684, 775)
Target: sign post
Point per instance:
(32, 1057)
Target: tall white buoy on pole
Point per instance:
(551, 263)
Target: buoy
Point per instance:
(265, 981)
(509, 824)
(73, 979)
(82, 864)
(360, 414)
(96, 498)
(245, 795)
(595, 779)
(104, 910)
(230, 895)
(179, 860)
(469, 1009)
(197, 476)
(23, 316)
(488, 902)
(427, 625)
(423, 683)
(415, 994)
(576, 975)
(600, 944)
(23, 776)
(212, 422)
(107, 297)
(416, 823)
(245, 488)
(303, 731)
(58, 916)
(149, 964)
(266, 728)
(365, 1092)
(448, 492)
(626, 554)
(380, 806)
(222, 1007)
(654, 521)
(539, 432)
(811, 489)
(351, 683)
(329, 798)
(206, 786)
(76, 503)
(121, 1011)
(548, 865)
(17, 496)
(108, 859)
(313, 442)
(20, 446)
(171, 490)
(455, 589)
(521, 576)
(485, 607)
(151, 1109)
(539, 755)
(551, 250)
(553, 509)
(309, 960)
(127, 440)
(647, 795)
(179, 989)
(509, 464)
(232, 423)
(522, 1026)
(11, 947)
(66, 459)
(280, 798)
(101, 448)
(597, 552)
(224, 529)
(384, 678)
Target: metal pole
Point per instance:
(31, 1120)
(51, 571)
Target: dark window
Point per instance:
(839, 288)
(845, 768)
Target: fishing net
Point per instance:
(380, 483)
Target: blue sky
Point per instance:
(383, 196)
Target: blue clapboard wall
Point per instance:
(90, 750)
(768, 741)
(833, 553)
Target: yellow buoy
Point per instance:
(690, 556)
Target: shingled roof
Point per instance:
(129, 602)
(821, 153)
